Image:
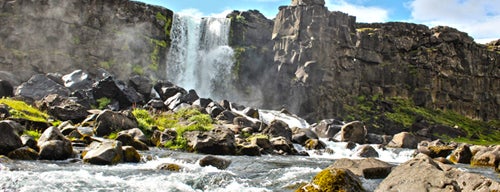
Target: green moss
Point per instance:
(113, 135)
(155, 55)
(33, 133)
(103, 102)
(138, 70)
(21, 110)
(257, 136)
(167, 22)
(333, 179)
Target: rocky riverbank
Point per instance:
(104, 121)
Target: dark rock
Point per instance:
(263, 143)
(300, 136)
(369, 168)
(161, 138)
(54, 146)
(372, 138)
(278, 128)
(24, 153)
(155, 104)
(141, 84)
(244, 122)
(354, 131)
(333, 179)
(169, 167)
(63, 108)
(250, 150)
(251, 112)
(202, 102)
(9, 139)
(283, 146)
(173, 101)
(350, 145)
(218, 141)
(108, 122)
(105, 153)
(217, 162)
(214, 109)
(167, 89)
(327, 128)
(189, 97)
(40, 86)
(118, 91)
(6, 89)
(77, 80)
(461, 154)
(367, 151)
(226, 116)
(136, 134)
(128, 140)
(130, 155)
(30, 142)
(311, 144)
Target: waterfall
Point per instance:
(199, 56)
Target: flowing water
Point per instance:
(199, 56)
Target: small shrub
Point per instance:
(103, 102)
(33, 133)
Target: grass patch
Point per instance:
(33, 133)
(21, 110)
(103, 102)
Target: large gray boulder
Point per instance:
(63, 108)
(327, 128)
(218, 141)
(278, 128)
(54, 146)
(105, 153)
(118, 91)
(9, 138)
(354, 131)
(40, 86)
(109, 121)
(404, 140)
(77, 80)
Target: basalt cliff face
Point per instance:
(324, 60)
(41, 36)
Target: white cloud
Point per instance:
(479, 18)
(362, 13)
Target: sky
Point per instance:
(479, 18)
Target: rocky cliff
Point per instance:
(40, 36)
(324, 61)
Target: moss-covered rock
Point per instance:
(333, 179)
(24, 153)
(462, 154)
(131, 155)
(170, 167)
(440, 151)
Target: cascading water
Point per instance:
(199, 56)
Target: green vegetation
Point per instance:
(238, 59)
(404, 111)
(137, 69)
(103, 102)
(107, 64)
(155, 55)
(113, 135)
(33, 133)
(167, 22)
(182, 121)
(21, 110)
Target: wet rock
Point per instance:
(63, 108)
(214, 109)
(245, 122)
(278, 128)
(372, 138)
(141, 84)
(130, 155)
(54, 146)
(369, 168)
(367, 151)
(29, 141)
(354, 131)
(40, 86)
(108, 122)
(105, 153)
(169, 167)
(434, 149)
(311, 144)
(251, 112)
(300, 136)
(161, 138)
(167, 89)
(77, 80)
(9, 139)
(189, 97)
(6, 89)
(264, 143)
(283, 146)
(327, 128)
(217, 162)
(173, 101)
(128, 140)
(404, 140)
(333, 179)
(218, 141)
(350, 145)
(461, 154)
(227, 116)
(249, 150)
(117, 91)
(24, 153)
(202, 102)
(155, 104)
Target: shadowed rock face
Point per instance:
(61, 36)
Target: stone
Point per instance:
(354, 131)
(128, 140)
(278, 128)
(369, 168)
(462, 154)
(327, 128)
(160, 138)
(202, 102)
(9, 139)
(264, 143)
(167, 90)
(6, 89)
(333, 179)
(300, 136)
(130, 155)
(226, 116)
(29, 141)
(404, 140)
(137, 134)
(372, 138)
(54, 145)
(24, 153)
(434, 149)
(39, 86)
(216, 162)
(142, 84)
(77, 80)
(109, 121)
(189, 97)
(118, 91)
(486, 157)
(317, 144)
(169, 167)
(367, 151)
(249, 150)
(105, 153)
(218, 141)
(282, 145)
(63, 108)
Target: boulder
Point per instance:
(486, 157)
(283, 146)
(173, 101)
(404, 140)
(369, 168)
(141, 84)
(249, 150)
(39, 86)
(9, 139)
(117, 91)
(218, 141)
(264, 143)
(214, 109)
(333, 179)
(189, 97)
(327, 128)
(54, 146)
(202, 102)
(77, 80)
(137, 134)
(245, 122)
(24, 153)
(166, 89)
(367, 151)
(29, 141)
(160, 138)
(428, 175)
(354, 131)
(317, 144)
(278, 128)
(130, 155)
(108, 122)
(63, 108)
(300, 136)
(217, 162)
(372, 138)
(169, 167)
(6, 89)
(105, 153)
(461, 154)
(128, 140)
(227, 116)
(434, 148)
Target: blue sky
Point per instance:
(479, 18)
